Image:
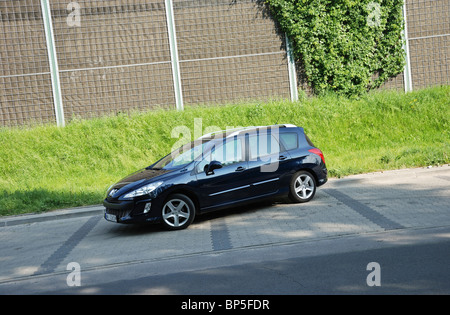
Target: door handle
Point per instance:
(282, 157)
(240, 169)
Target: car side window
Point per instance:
(228, 152)
(289, 140)
(262, 145)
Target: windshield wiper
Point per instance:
(152, 168)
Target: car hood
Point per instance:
(140, 177)
(136, 180)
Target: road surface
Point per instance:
(399, 220)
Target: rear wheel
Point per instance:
(178, 212)
(302, 187)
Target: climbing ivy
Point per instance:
(346, 46)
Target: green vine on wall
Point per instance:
(346, 46)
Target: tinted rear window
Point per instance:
(289, 140)
(263, 145)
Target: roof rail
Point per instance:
(287, 125)
(230, 130)
(237, 130)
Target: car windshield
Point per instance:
(182, 156)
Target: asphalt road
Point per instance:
(399, 220)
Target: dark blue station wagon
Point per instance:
(219, 170)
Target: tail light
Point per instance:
(319, 153)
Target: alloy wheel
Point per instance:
(304, 186)
(176, 213)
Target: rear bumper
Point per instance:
(322, 177)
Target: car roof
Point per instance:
(236, 131)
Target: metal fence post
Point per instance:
(292, 72)
(53, 62)
(407, 71)
(174, 54)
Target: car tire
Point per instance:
(178, 212)
(302, 187)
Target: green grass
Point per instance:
(46, 167)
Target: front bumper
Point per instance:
(129, 211)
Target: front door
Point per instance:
(228, 184)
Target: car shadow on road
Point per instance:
(124, 230)
(238, 210)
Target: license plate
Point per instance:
(110, 217)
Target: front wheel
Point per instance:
(178, 212)
(302, 187)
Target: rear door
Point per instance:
(268, 161)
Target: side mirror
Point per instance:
(214, 165)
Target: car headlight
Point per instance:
(144, 190)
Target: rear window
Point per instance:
(289, 140)
(263, 145)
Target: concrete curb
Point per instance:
(52, 215)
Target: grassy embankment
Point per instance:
(45, 167)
